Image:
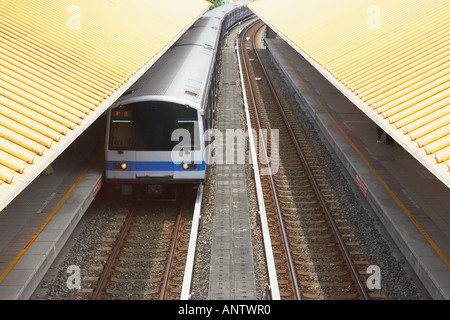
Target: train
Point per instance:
(155, 132)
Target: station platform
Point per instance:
(413, 205)
(36, 224)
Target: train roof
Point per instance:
(182, 74)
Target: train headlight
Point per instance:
(189, 166)
(120, 165)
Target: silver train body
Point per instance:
(155, 131)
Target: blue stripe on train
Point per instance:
(152, 166)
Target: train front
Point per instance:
(152, 145)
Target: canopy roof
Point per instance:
(63, 63)
(390, 58)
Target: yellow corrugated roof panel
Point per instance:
(391, 58)
(62, 64)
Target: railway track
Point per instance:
(311, 256)
(147, 257)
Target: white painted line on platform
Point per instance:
(185, 291)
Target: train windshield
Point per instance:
(149, 126)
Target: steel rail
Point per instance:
(167, 274)
(289, 258)
(321, 198)
(110, 262)
(98, 292)
(273, 291)
(189, 268)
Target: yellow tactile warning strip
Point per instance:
(62, 63)
(391, 58)
(47, 220)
